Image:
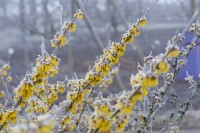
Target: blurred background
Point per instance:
(23, 22)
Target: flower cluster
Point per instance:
(68, 123)
(8, 116)
(101, 117)
(35, 82)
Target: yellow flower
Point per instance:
(119, 127)
(152, 81)
(60, 87)
(54, 60)
(62, 40)
(142, 22)
(93, 78)
(135, 30)
(4, 73)
(172, 53)
(119, 48)
(125, 105)
(65, 119)
(79, 15)
(22, 104)
(144, 91)
(13, 117)
(127, 38)
(54, 71)
(102, 108)
(102, 67)
(70, 126)
(10, 116)
(2, 118)
(100, 122)
(54, 43)
(73, 108)
(161, 67)
(70, 27)
(59, 40)
(2, 93)
(112, 56)
(76, 96)
(32, 102)
(51, 98)
(41, 108)
(137, 97)
(104, 124)
(6, 67)
(25, 90)
(127, 108)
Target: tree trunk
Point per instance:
(23, 40)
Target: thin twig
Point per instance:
(85, 103)
(6, 89)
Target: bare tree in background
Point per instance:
(70, 60)
(47, 19)
(32, 21)
(4, 7)
(22, 25)
(188, 8)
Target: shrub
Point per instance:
(85, 109)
